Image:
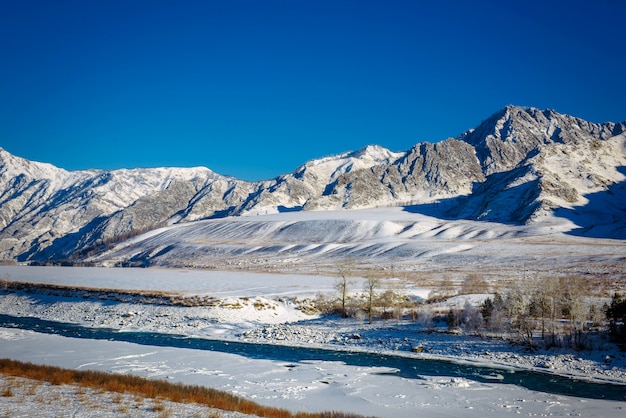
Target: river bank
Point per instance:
(276, 317)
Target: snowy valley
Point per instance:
(261, 288)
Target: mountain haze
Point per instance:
(519, 166)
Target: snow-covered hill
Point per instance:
(520, 166)
(397, 240)
(44, 207)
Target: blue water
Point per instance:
(407, 367)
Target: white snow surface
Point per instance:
(305, 385)
(390, 238)
(263, 308)
(180, 281)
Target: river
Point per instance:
(403, 366)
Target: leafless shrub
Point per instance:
(474, 284)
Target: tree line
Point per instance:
(547, 312)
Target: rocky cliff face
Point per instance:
(515, 167)
(536, 161)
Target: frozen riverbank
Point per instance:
(276, 318)
(304, 385)
(268, 321)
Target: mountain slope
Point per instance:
(517, 166)
(506, 138)
(426, 172)
(41, 204)
(536, 161)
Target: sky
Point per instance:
(254, 89)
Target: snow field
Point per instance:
(310, 243)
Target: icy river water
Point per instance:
(403, 366)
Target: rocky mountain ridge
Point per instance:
(515, 167)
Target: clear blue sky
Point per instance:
(253, 89)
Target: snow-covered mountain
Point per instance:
(516, 167)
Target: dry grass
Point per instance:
(149, 297)
(154, 389)
(32, 388)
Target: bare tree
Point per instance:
(343, 284)
(371, 286)
(474, 284)
(5, 282)
(425, 317)
(387, 300)
(401, 302)
(471, 317)
(518, 307)
(544, 305)
(574, 307)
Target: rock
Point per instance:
(545, 365)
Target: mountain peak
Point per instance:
(507, 137)
(375, 153)
(516, 162)
(12, 166)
